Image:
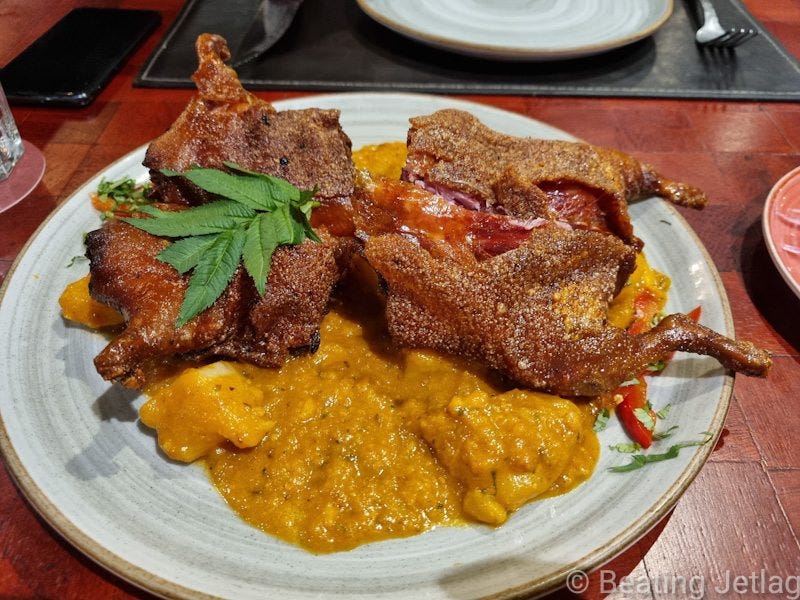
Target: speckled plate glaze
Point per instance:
(522, 29)
(781, 225)
(77, 451)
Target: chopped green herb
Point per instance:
(78, 258)
(626, 447)
(254, 215)
(657, 318)
(664, 412)
(601, 422)
(640, 460)
(125, 195)
(645, 418)
(656, 366)
(662, 435)
(633, 381)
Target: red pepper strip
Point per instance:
(645, 306)
(104, 205)
(694, 314)
(633, 397)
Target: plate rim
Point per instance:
(148, 581)
(513, 53)
(30, 490)
(766, 228)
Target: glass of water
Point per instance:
(10, 141)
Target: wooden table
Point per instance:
(739, 517)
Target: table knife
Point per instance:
(269, 24)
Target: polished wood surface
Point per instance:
(740, 516)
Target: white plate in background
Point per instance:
(522, 29)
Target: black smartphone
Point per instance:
(76, 58)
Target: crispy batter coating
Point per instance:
(262, 330)
(126, 275)
(224, 122)
(287, 317)
(536, 313)
(507, 283)
(451, 152)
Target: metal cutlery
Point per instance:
(711, 33)
(269, 24)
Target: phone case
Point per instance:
(72, 62)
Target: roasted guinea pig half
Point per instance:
(480, 259)
(225, 123)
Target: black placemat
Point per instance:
(333, 45)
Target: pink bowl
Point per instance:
(781, 224)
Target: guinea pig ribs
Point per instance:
(452, 153)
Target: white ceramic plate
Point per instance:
(77, 451)
(522, 29)
(781, 224)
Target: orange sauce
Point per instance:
(366, 442)
(77, 305)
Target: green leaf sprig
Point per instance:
(255, 214)
(601, 421)
(640, 460)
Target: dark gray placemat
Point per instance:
(333, 45)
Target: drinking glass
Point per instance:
(10, 141)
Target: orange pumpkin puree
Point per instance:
(361, 441)
(364, 442)
(77, 305)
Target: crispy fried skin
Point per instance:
(262, 330)
(451, 152)
(224, 122)
(288, 316)
(536, 313)
(528, 298)
(126, 275)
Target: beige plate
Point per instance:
(78, 453)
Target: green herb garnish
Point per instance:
(78, 258)
(601, 421)
(645, 418)
(640, 460)
(664, 412)
(657, 318)
(255, 214)
(125, 195)
(626, 447)
(662, 435)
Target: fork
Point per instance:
(712, 34)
